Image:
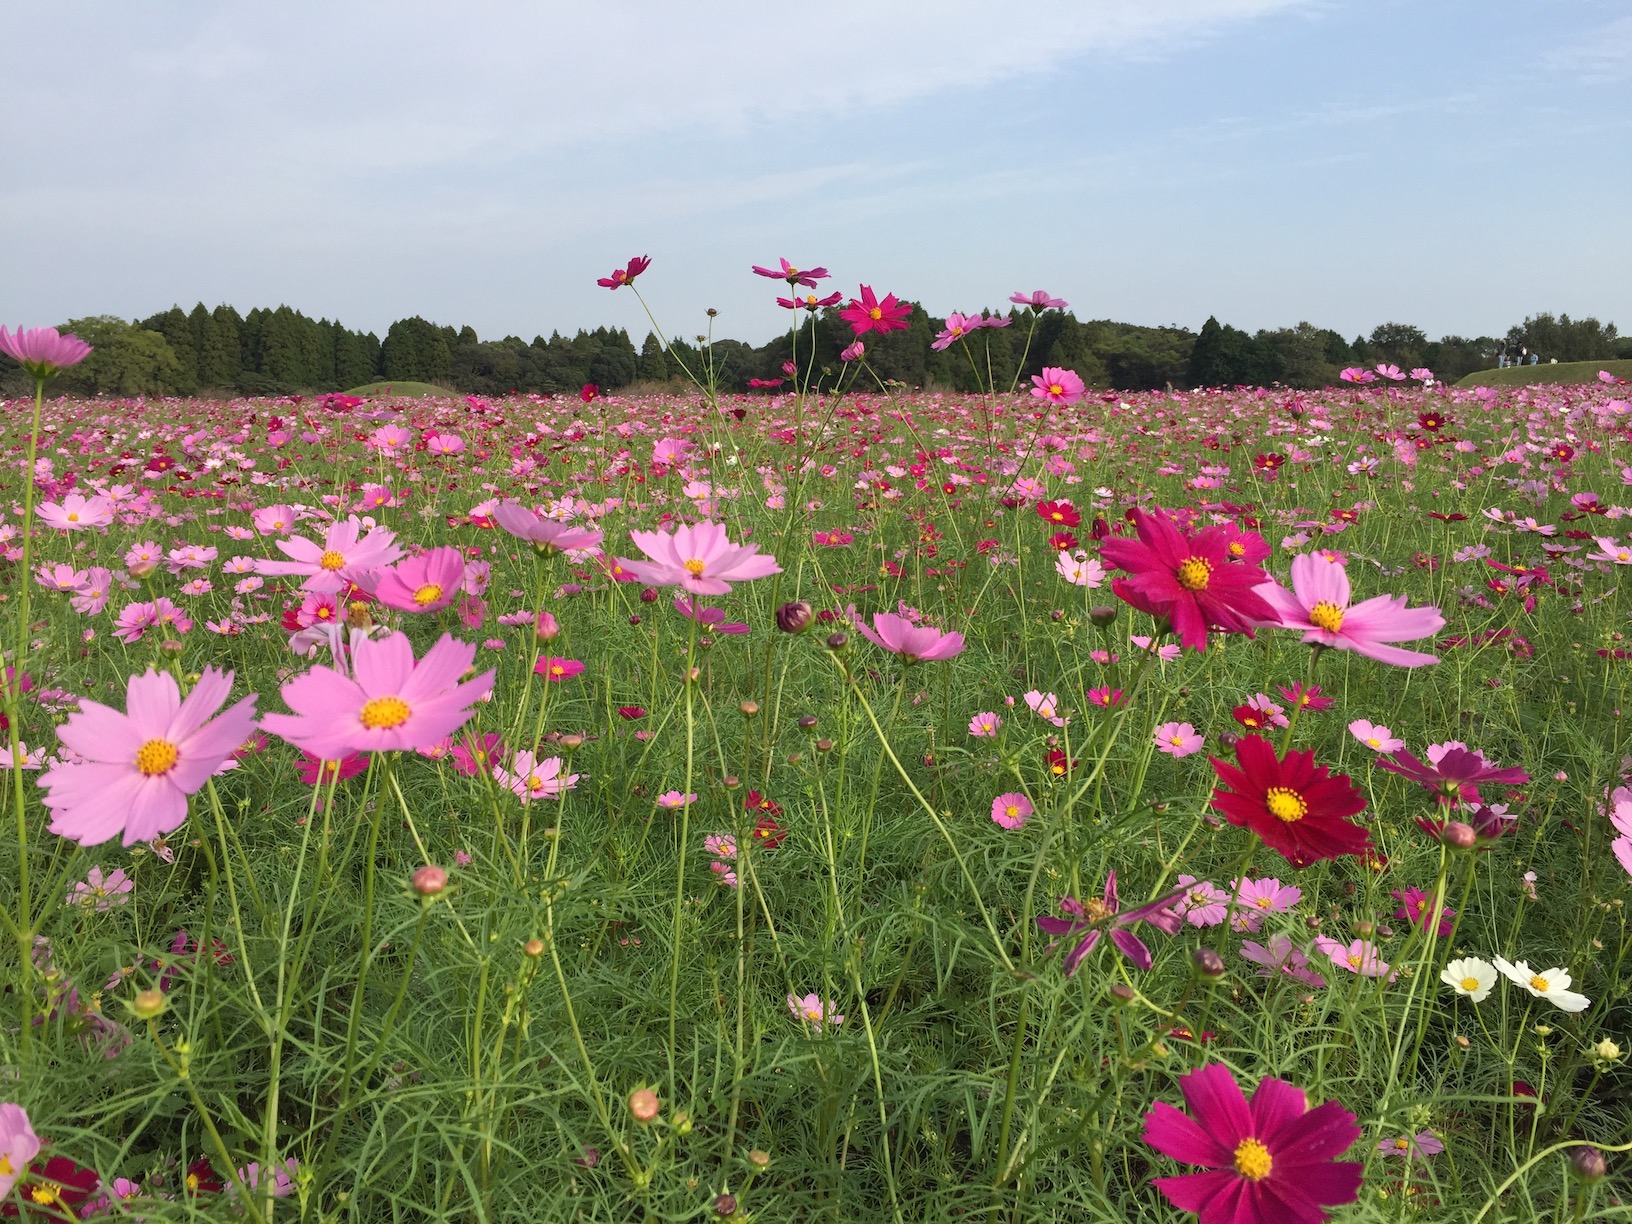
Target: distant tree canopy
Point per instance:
(282, 351)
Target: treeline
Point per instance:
(282, 351)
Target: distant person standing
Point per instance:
(1501, 354)
(1535, 358)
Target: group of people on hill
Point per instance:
(1509, 353)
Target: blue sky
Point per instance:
(1452, 164)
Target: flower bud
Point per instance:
(648, 595)
(547, 627)
(1122, 994)
(1362, 928)
(1102, 614)
(837, 641)
(759, 1158)
(533, 948)
(731, 782)
(824, 745)
(1589, 1164)
(1459, 836)
(1607, 1051)
(749, 708)
(644, 1105)
(806, 721)
(725, 1205)
(795, 617)
(634, 618)
(430, 880)
(572, 741)
(147, 1004)
(1207, 964)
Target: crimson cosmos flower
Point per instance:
(1097, 917)
(1455, 777)
(1191, 579)
(867, 313)
(1293, 805)
(1272, 1160)
(622, 276)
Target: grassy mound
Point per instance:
(411, 390)
(1563, 372)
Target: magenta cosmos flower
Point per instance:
(1057, 386)
(914, 643)
(1318, 604)
(42, 351)
(1189, 579)
(623, 276)
(1455, 773)
(139, 767)
(698, 558)
(530, 777)
(794, 276)
(1272, 1160)
(547, 534)
(393, 703)
(346, 550)
(867, 313)
(426, 583)
(1038, 299)
(1106, 914)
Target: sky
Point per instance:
(1455, 164)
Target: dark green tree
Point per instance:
(177, 330)
(654, 367)
(126, 360)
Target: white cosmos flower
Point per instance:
(1470, 976)
(1552, 985)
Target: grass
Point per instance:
(402, 390)
(477, 1053)
(1564, 373)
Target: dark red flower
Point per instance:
(589, 392)
(768, 833)
(1058, 764)
(1062, 541)
(1189, 579)
(1295, 807)
(622, 276)
(756, 802)
(202, 1178)
(54, 1189)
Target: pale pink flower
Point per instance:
(675, 800)
(1318, 604)
(274, 520)
(18, 1142)
(547, 534)
(101, 893)
(1011, 810)
(1057, 386)
(699, 558)
(1045, 706)
(393, 703)
(346, 551)
(43, 351)
(1204, 903)
(814, 1011)
(984, 725)
(914, 643)
(1281, 958)
(1360, 956)
(721, 845)
(426, 583)
(1377, 738)
(1178, 739)
(76, 513)
(135, 770)
(530, 778)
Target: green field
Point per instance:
(1563, 372)
(403, 390)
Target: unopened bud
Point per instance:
(759, 1158)
(749, 708)
(147, 1004)
(1122, 994)
(430, 880)
(1102, 614)
(725, 1205)
(731, 782)
(547, 627)
(824, 745)
(533, 948)
(1459, 836)
(806, 721)
(572, 741)
(644, 1105)
(1362, 928)
(1589, 1164)
(795, 617)
(648, 595)
(1207, 964)
(173, 647)
(837, 641)
(634, 618)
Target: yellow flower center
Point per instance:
(1354, 959)
(1194, 573)
(1011, 811)
(277, 525)
(813, 1014)
(534, 782)
(1374, 742)
(1252, 1160)
(1286, 804)
(694, 567)
(156, 757)
(72, 517)
(1263, 902)
(1237, 549)
(1055, 389)
(45, 1193)
(1540, 983)
(384, 713)
(875, 314)
(1470, 984)
(1096, 910)
(1176, 740)
(810, 299)
(6, 1167)
(331, 560)
(192, 1182)
(1326, 615)
(1402, 1145)
(427, 594)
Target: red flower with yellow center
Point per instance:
(1296, 807)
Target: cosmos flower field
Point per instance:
(841, 802)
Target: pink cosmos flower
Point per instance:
(867, 313)
(1281, 958)
(721, 845)
(135, 770)
(1417, 906)
(76, 513)
(853, 352)
(675, 800)
(1378, 739)
(274, 520)
(1038, 299)
(794, 276)
(43, 352)
(814, 1011)
(1255, 898)
(313, 771)
(1270, 1161)
(1057, 386)
(345, 551)
(1097, 916)
(101, 892)
(957, 328)
(1454, 774)
(1422, 1145)
(1187, 578)
(1318, 604)
(1305, 698)
(1046, 706)
(475, 756)
(1360, 956)
(18, 1142)
(529, 777)
(548, 535)
(1621, 818)
(699, 558)
(426, 583)
(1011, 810)
(914, 643)
(626, 275)
(556, 670)
(985, 725)
(390, 702)
(1203, 904)
(1178, 739)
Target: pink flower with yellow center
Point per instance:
(426, 583)
(1318, 604)
(699, 558)
(346, 550)
(135, 770)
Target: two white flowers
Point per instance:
(1476, 978)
